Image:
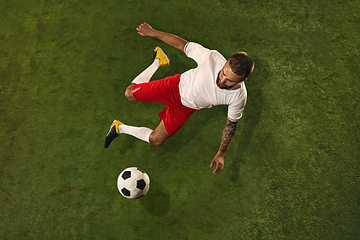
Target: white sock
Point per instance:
(142, 133)
(146, 75)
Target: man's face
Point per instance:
(227, 78)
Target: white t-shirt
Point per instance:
(198, 87)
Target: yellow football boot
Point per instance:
(159, 54)
(113, 133)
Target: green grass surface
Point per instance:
(292, 168)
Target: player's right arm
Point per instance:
(144, 29)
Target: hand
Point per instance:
(219, 161)
(144, 29)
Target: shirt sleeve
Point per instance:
(196, 52)
(236, 109)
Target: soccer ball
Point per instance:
(133, 183)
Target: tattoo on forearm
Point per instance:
(228, 133)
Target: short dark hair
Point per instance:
(241, 64)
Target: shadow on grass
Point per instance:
(254, 107)
(157, 201)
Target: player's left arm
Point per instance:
(228, 133)
(144, 29)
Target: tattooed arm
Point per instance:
(228, 133)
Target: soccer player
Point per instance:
(215, 81)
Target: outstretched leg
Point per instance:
(156, 137)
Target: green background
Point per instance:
(291, 170)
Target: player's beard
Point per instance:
(222, 86)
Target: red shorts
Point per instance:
(165, 91)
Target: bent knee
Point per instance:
(129, 95)
(157, 142)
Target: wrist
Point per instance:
(220, 153)
(154, 33)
